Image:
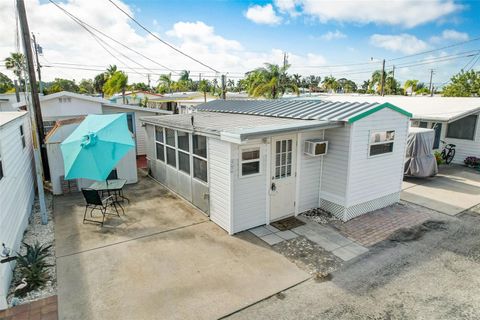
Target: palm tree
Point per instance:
(98, 82)
(116, 83)
(184, 75)
(230, 84)
(166, 80)
(16, 63)
(410, 84)
(111, 70)
(270, 81)
(204, 86)
(330, 83)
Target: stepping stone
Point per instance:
(260, 231)
(287, 234)
(271, 239)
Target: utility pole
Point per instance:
(35, 112)
(148, 78)
(430, 86)
(224, 89)
(383, 78)
(394, 85)
(37, 47)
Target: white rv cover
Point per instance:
(419, 160)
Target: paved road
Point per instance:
(435, 276)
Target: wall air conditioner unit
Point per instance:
(315, 147)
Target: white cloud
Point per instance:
(333, 35)
(450, 35)
(407, 13)
(263, 14)
(404, 43)
(288, 6)
(198, 33)
(64, 41)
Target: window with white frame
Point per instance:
(183, 150)
(250, 161)
(160, 144)
(199, 154)
(381, 142)
(171, 145)
(22, 136)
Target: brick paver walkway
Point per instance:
(378, 225)
(45, 309)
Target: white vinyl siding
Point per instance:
(335, 167)
(220, 183)
(375, 177)
(464, 148)
(140, 135)
(308, 177)
(16, 189)
(249, 193)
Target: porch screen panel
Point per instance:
(463, 128)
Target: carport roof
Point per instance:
(236, 127)
(314, 109)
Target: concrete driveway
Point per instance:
(454, 190)
(163, 260)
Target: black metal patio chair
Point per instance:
(95, 202)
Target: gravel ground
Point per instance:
(44, 234)
(319, 216)
(430, 271)
(309, 256)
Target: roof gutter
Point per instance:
(243, 135)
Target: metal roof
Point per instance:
(7, 116)
(422, 107)
(299, 109)
(238, 125)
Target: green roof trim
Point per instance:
(378, 108)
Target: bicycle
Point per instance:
(448, 152)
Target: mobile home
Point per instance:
(248, 163)
(455, 120)
(17, 191)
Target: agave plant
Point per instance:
(32, 266)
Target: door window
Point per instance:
(283, 159)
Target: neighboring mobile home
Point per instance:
(247, 163)
(67, 105)
(455, 120)
(126, 168)
(16, 187)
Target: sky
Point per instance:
(344, 38)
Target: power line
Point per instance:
(102, 43)
(437, 49)
(150, 68)
(153, 73)
(111, 38)
(162, 41)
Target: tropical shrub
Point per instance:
(33, 266)
(438, 157)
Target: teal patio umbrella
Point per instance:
(96, 146)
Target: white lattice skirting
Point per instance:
(347, 213)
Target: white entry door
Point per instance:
(282, 184)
